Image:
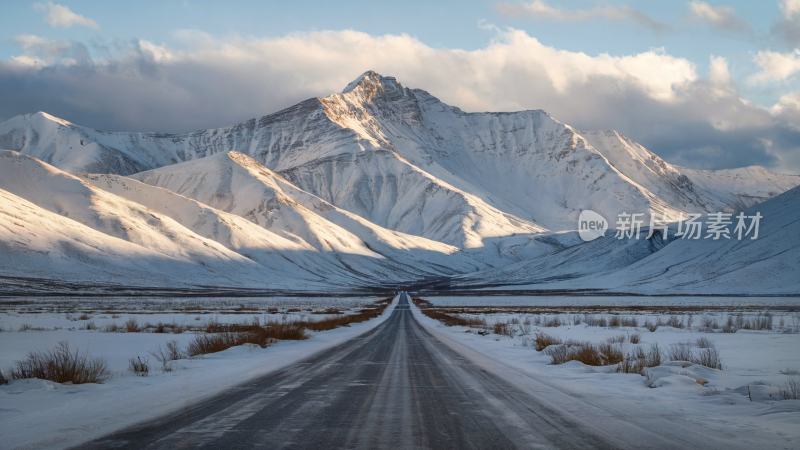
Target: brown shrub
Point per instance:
(132, 326)
(61, 365)
(452, 320)
(212, 343)
(635, 338)
(543, 341)
(586, 353)
(219, 336)
(503, 329)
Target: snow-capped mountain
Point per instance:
(187, 242)
(404, 160)
(377, 183)
(60, 217)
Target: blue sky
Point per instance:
(660, 58)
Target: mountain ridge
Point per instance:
(378, 183)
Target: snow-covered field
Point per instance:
(41, 414)
(758, 366)
(618, 300)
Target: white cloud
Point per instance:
(722, 17)
(41, 51)
(57, 15)
(788, 27)
(776, 66)
(718, 73)
(790, 8)
(652, 96)
(542, 9)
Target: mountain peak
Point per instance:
(41, 115)
(371, 84)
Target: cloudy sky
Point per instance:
(710, 84)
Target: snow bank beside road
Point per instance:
(41, 414)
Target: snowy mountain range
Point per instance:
(378, 184)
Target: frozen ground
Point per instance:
(41, 414)
(569, 300)
(744, 397)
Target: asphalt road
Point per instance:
(396, 386)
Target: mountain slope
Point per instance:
(38, 243)
(769, 264)
(293, 259)
(689, 189)
(237, 184)
(78, 200)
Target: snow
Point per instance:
(610, 301)
(67, 415)
(762, 360)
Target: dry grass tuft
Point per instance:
(681, 352)
(220, 337)
(503, 329)
(347, 319)
(632, 322)
(704, 342)
(589, 354)
(791, 389)
(132, 326)
(618, 339)
(139, 366)
(447, 319)
(542, 341)
(165, 355)
(554, 321)
(640, 359)
(707, 356)
(61, 365)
